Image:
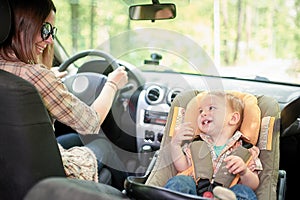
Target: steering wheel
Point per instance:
(85, 53)
(87, 85)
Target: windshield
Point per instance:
(253, 40)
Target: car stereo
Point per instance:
(155, 117)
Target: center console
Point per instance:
(151, 121)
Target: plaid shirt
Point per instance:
(61, 104)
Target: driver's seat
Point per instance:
(28, 148)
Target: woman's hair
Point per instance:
(27, 19)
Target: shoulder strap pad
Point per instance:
(201, 160)
(223, 176)
(203, 166)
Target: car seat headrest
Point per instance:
(5, 16)
(251, 120)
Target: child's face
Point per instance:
(212, 114)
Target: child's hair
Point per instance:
(234, 102)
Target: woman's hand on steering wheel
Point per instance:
(59, 74)
(118, 77)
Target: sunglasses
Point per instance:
(48, 30)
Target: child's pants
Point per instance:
(186, 184)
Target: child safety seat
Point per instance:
(261, 114)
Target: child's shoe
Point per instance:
(222, 193)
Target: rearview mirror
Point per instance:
(152, 11)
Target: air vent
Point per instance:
(154, 94)
(172, 94)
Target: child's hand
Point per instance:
(235, 165)
(183, 132)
